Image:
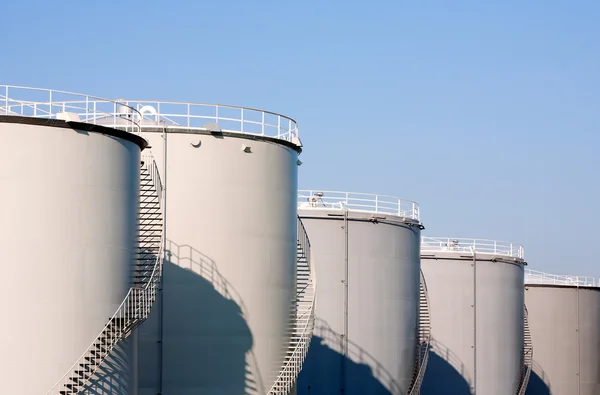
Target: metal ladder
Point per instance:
(136, 306)
(527, 355)
(424, 336)
(304, 314)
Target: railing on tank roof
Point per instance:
(53, 104)
(354, 201)
(483, 246)
(536, 277)
(211, 117)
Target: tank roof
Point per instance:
(66, 106)
(533, 277)
(358, 202)
(204, 117)
(480, 246)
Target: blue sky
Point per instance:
(485, 114)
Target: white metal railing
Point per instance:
(527, 359)
(424, 342)
(535, 277)
(68, 106)
(134, 310)
(370, 203)
(303, 327)
(482, 246)
(175, 115)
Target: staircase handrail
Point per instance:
(527, 357)
(424, 344)
(124, 307)
(296, 359)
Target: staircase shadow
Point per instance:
(445, 373)
(205, 334)
(538, 382)
(114, 376)
(323, 370)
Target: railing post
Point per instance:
(242, 121)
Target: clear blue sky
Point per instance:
(485, 114)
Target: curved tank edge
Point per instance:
(467, 256)
(240, 135)
(586, 287)
(353, 215)
(88, 127)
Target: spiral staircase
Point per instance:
(138, 302)
(424, 336)
(303, 317)
(527, 355)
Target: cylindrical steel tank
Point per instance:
(69, 212)
(564, 319)
(476, 299)
(230, 175)
(365, 250)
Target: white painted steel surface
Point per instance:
(565, 328)
(477, 321)
(360, 202)
(68, 106)
(481, 246)
(69, 211)
(229, 273)
(383, 300)
(536, 277)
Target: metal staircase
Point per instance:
(136, 306)
(424, 339)
(304, 314)
(527, 355)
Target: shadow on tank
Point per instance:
(445, 373)
(538, 382)
(327, 371)
(114, 376)
(205, 335)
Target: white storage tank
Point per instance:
(69, 210)
(477, 316)
(365, 250)
(564, 317)
(229, 281)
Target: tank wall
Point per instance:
(497, 303)
(383, 293)
(69, 212)
(229, 275)
(565, 330)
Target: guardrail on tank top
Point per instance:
(361, 202)
(68, 106)
(536, 277)
(482, 246)
(174, 115)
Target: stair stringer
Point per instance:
(140, 298)
(424, 338)
(304, 311)
(527, 355)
